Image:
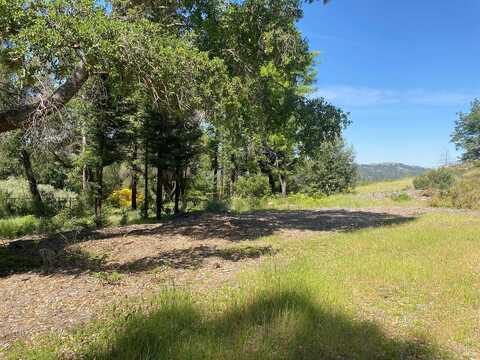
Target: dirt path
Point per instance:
(85, 273)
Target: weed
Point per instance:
(401, 196)
(110, 278)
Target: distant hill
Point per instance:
(388, 171)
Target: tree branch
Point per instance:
(23, 117)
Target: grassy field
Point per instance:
(381, 194)
(386, 186)
(405, 291)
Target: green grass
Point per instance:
(407, 291)
(364, 196)
(385, 186)
(15, 227)
(121, 218)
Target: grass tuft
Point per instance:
(15, 227)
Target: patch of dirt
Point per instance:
(56, 283)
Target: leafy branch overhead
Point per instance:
(157, 45)
(198, 90)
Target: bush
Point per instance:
(56, 199)
(465, 194)
(15, 198)
(71, 219)
(20, 226)
(216, 206)
(400, 197)
(330, 170)
(256, 186)
(123, 198)
(440, 179)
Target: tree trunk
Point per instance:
(38, 206)
(98, 193)
(283, 184)
(134, 182)
(146, 200)
(177, 192)
(222, 183)
(271, 181)
(183, 198)
(84, 169)
(159, 200)
(215, 173)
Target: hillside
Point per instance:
(388, 171)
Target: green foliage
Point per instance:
(217, 206)
(439, 179)
(207, 92)
(400, 197)
(318, 122)
(15, 198)
(331, 169)
(124, 217)
(467, 132)
(11, 228)
(464, 194)
(253, 186)
(67, 220)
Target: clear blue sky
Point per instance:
(402, 68)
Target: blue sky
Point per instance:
(402, 68)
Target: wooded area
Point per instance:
(180, 102)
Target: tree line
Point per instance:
(183, 99)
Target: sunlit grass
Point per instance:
(419, 279)
(381, 194)
(406, 291)
(385, 186)
(18, 226)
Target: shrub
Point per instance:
(15, 227)
(330, 170)
(255, 186)
(124, 217)
(15, 198)
(465, 194)
(56, 199)
(440, 179)
(71, 219)
(216, 206)
(123, 198)
(401, 196)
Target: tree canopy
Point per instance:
(467, 132)
(210, 94)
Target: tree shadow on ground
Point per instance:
(282, 325)
(73, 261)
(254, 225)
(53, 253)
(193, 258)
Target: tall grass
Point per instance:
(15, 227)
